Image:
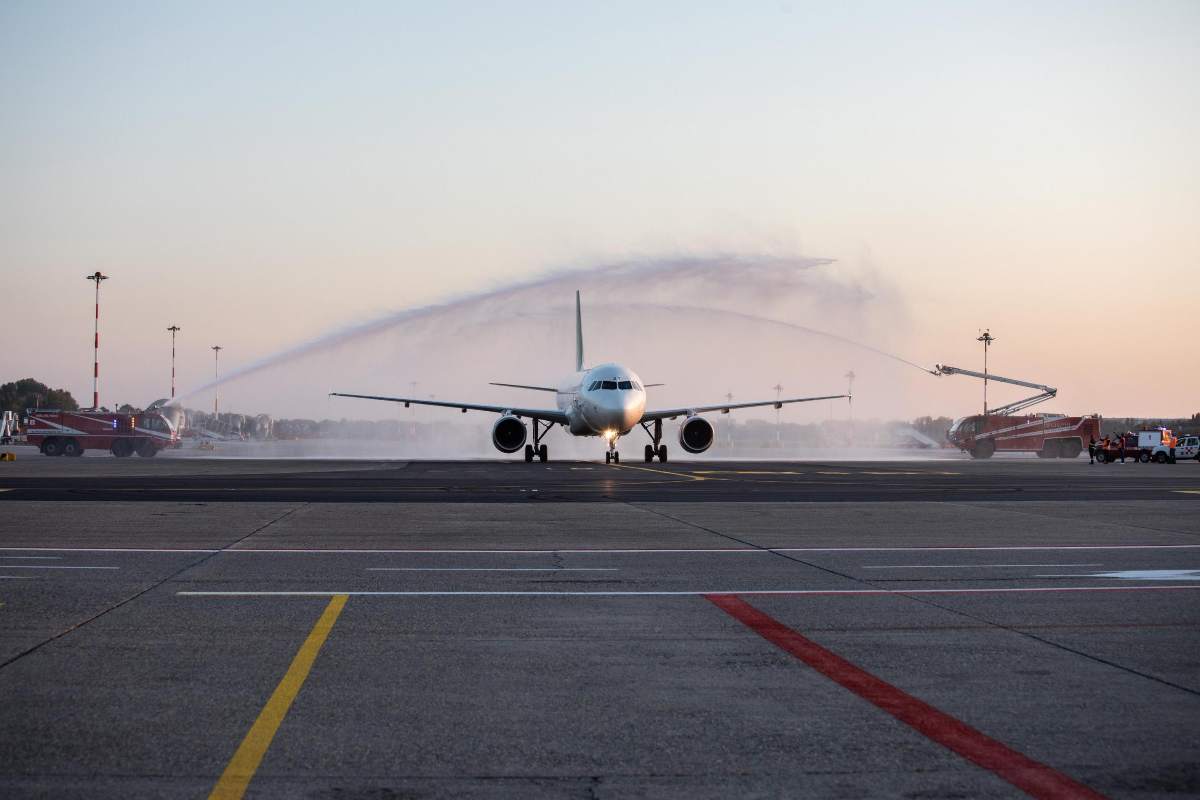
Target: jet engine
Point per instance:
(509, 434)
(696, 435)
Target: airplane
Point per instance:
(608, 401)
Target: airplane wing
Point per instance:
(671, 413)
(543, 414)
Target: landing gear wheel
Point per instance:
(662, 454)
(543, 454)
(983, 449)
(528, 454)
(607, 458)
(616, 457)
(649, 453)
(146, 449)
(121, 449)
(72, 449)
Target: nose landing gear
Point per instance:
(656, 449)
(612, 457)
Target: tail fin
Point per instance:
(578, 335)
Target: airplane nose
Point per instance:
(619, 411)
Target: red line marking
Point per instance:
(1032, 777)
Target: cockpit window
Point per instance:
(608, 385)
(625, 385)
(595, 385)
(637, 386)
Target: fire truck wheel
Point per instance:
(121, 449)
(983, 449)
(1070, 448)
(146, 449)
(1160, 458)
(71, 448)
(52, 447)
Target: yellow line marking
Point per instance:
(662, 472)
(1187, 491)
(236, 777)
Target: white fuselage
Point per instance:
(606, 400)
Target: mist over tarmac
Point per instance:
(703, 325)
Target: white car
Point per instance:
(1186, 447)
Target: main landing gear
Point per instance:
(612, 456)
(656, 449)
(537, 448)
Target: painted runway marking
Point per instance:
(35, 558)
(1020, 770)
(492, 569)
(683, 475)
(238, 774)
(50, 566)
(693, 593)
(600, 551)
(18, 577)
(1139, 575)
(971, 566)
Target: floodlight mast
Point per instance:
(987, 339)
(97, 277)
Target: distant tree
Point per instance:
(125, 408)
(29, 393)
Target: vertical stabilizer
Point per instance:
(578, 335)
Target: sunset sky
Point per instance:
(262, 174)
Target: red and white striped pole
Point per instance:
(174, 329)
(96, 346)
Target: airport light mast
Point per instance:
(778, 432)
(850, 376)
(97, 277)
(174, 329)
(987, 339)
(216, 348)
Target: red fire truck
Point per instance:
(69, 433)
(1048, 435)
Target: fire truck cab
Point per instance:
(69, 433)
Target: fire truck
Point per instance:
(1003, 430)
(69, 433)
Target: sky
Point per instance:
(263, 174)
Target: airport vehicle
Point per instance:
(1162, 446)
(1187, 447)
(608, 401)
(1048, 435)
(69, 433)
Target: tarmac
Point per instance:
(340, 629)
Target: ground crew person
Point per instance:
(1092, 450)
(1121, 448)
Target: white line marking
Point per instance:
(970, 566)
(34, 558)
(495, 569)
(18, 577)
(596, 551)
(897, 593)
(49, 566)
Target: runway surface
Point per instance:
(175, 628)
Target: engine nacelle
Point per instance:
(509, 434)
(696, 435)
